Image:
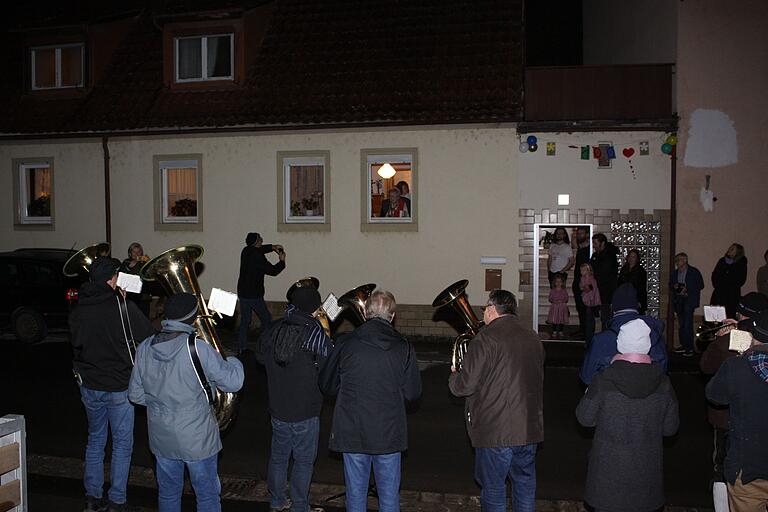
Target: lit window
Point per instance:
(35, 182)
(179, 191)
(203, 58)
(57, 67)
(391, 197)
(303, 190)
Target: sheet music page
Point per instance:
(331, 307)
(740, 341)
(714, 313)
(129, 282)
(222, 301)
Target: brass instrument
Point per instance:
(456, 296)
(175, 269)
(355, 300)
(708, 333)
(79, 264)
(319, 313)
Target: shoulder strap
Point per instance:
(125, 320)
(195, 358)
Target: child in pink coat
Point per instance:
(590, 293)
(558, 308)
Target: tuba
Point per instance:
(80, 262)
(456, 297)
(319, 313)
(175, 269)
(355, 300)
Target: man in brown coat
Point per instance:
(502, 377)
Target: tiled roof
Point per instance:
(329, 62)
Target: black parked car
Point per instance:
(35, 293)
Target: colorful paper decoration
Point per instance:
(611, 153)
(628, 152)
(597, 152)
(551, 148)
(585, 152)
(644, 148)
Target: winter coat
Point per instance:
(605, 268)
(727, 281)
(742, 384)
(294, 393)
(632, 407)
(102, 357)
(180, 421)
(603, 346)
(253, 266)
(711, 361)
(502, 377)
(694, 283)
(374, 371)
(637, 277)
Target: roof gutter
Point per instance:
(107, 190)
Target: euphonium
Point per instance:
(175, 269)
(456, 297)
(355, 300)
(80, 262)
(319, 313)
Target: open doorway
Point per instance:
(544, 237)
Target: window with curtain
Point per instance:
(57, 67)
(179, 191)
(304, 186)
(201, 58)
(390, 197)
(35, 193)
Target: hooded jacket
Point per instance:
(374, 371)
(101, 355)
(180, 421)
(742, 384)
(632, 407)
(502, 377)
(253, 266)
(605, 267)
(603, 346)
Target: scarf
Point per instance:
(633, 358)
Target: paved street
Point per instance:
(440, 458)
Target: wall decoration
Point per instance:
(533, 147)
(523, 147)
(707, 196)
(644, 148)
(551, 149)
(712, 139)
(585, 152)
(628, 152)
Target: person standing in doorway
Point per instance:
(561, 258)
(728, 277)
(581, 251)
(685, 284)
(250, 285)
(605, 265)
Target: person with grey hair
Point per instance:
(374, 372)
(133, 265)
(502, 376)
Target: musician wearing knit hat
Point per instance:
(741, 383)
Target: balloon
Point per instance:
(533, 147)
(532, 140)
(523, 147)
(666, 148)
(672, 140)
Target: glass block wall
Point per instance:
(646, 238)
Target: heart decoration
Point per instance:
(628, 152)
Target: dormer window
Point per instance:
(204, 58)
(57, 66)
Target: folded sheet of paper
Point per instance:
(740, 341)
(714, 313)
(223, 302)
(129, 282)
(331, 307)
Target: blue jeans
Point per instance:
(386, 472)
(247, 307)
(684, 314)
(203, 475)
(492, 468)
(299, 438)
(105, 408)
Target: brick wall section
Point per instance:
(601, 219)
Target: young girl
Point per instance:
(590, 294)
(558, 309)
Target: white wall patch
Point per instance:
(711, 140)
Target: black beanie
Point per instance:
(306, 299)
(103, 269)
(252, 238)
(181, 307)
(752, 304)
(760, 327)
(625, 297)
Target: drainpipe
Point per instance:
(672, 244)
(107, 192)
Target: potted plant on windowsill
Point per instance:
(295, 208)
(311, 204)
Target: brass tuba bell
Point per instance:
(456, 296)
(319, 313)
(355, 300)
(175, 269)
(79, 264)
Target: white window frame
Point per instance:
(378, 158)
(57, 80)
(24, 194)
(165, 165)
(204, 58)
(288, 162)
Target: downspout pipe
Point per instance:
(107, 191)
(672, 244)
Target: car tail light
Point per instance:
(71, 295)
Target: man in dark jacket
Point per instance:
(605, 267)
(292, 350)
(685, 286)
(104, 327)
(250, 285)
(625, 309)
(582, 256)
(632, 406)
(374, 371)
(502, 377)
(742, 384)
(750, 306)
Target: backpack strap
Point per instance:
(199, 372)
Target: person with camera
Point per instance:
(685, 284)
